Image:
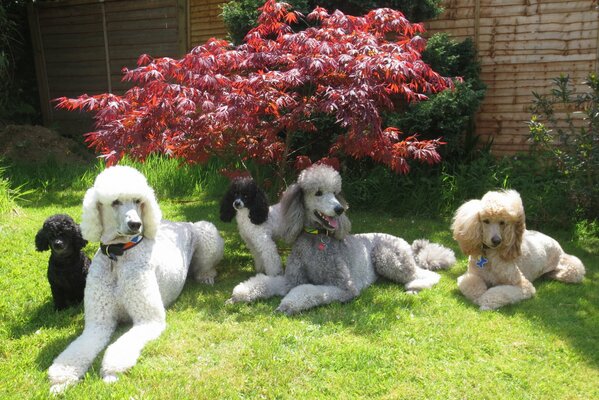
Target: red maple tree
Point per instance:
(247, 102)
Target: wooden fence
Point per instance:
(82, 45)
(522, 45)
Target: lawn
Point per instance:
(385, 344)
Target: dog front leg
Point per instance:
(123, 354)
(75, 360)
(149, 320)
(259, 287)
(100, 323)
(499, 296)
(268, 255)
(308, 296)
(472, 286)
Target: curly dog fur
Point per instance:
(139, 283)
(259, 225)
(504, 257)
(328, 264)
(68, 264)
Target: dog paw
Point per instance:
(231, 301)
(206, 280)
(286, 308)
(59, 388)
(110, 378)
(61, 377)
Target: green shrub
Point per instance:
(565, 133)
(449, 114)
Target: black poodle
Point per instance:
(68, 265)
(259, 225)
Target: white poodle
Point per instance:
(140, 269)
(505, 257)
(327, 264)
(259, 224)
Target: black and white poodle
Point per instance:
(259, 225)
(68, 264)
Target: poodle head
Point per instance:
(244, 193)
(61, 235)
(118, 206)
(495, 222)
(315, 202)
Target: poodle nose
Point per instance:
(237, 204)
(58, 244)
(134, 225)
(339, 210)
(496, 240)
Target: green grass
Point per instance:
(385, 344)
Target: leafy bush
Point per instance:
(449, 113)
(241, 16)
(19, 101)
(249, 102)
(414, 10)
(565, 132)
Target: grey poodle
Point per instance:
(328, 264)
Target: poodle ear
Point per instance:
(466, 227)
(151, 214)
(514, 231)
(259, 208)
(78, 240)
(91, 218)
(227, 212)
(292, 211)
(344, 227)
(512, 236)
(41, 241)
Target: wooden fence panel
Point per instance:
(522, 45)
(81, 47)
(205, 21)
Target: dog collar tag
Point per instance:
(482, 261)
(323, 243)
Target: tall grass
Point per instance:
(10, 194)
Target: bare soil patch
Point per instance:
(27, 144)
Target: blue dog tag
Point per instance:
(481, 262)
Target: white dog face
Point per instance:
(323, 209)
(121, 218)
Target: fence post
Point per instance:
(40, 63)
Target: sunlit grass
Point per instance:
(384, 344)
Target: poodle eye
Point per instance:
(318, 193)
(116, 203)
(137, 201)
(486, 221)
(501, 223)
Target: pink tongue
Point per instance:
(332, 221)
